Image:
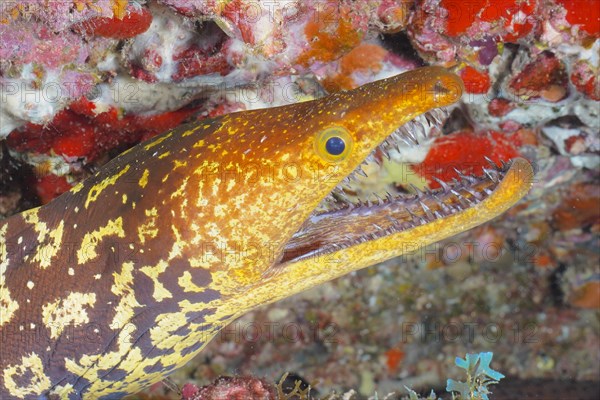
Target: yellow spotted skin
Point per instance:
(125, 278)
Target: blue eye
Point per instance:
(335, 145)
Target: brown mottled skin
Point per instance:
(125, 278)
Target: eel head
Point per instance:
(322, 234)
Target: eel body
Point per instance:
(126, 277)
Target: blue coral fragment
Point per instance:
(479, 376)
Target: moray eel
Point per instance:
(125, 278)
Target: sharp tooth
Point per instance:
(443, 206)
(468, 201)
(408, 132)
(440, 115)
(412, 124)
(458, 207)
(492, 164)
(466, 178)
(461, 198)
(491, 174)
(415, 218)
(362, 173)
(473, 193)
(393, 221)
(408, 141)
(427, 120)
(426, 210)
(412, 214)
(424, 133)
(419, 193)
(345, 199)
(443, 184)
(389, 196)
(419, 129)
(431, 121)
(341, 196)
(379, 199)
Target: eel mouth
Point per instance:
(341, 220)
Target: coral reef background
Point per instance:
(83, 80)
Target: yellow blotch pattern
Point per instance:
(69, 311)
(144, 179)
(31, 366)
(90, 241)
(97, 189)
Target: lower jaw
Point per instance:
(347, 223)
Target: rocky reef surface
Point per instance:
(80, 81)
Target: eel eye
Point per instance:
(333, 144)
